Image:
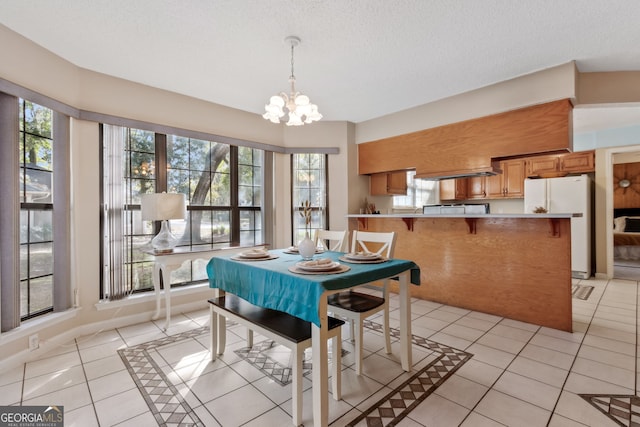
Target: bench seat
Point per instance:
(283, 328)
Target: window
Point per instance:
(36, 209)
(309, 183)
(420, 192)
(223, 186)
(34, 187)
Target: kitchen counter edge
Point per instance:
(489, 215)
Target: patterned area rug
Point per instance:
(171, 409)
(624, 410)
(581, 291)
(258, 356)
(165, 402)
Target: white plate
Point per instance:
(313, 266)
(294, 250)
(362, 256)
(254, 254)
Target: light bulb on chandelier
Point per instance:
(300, 108)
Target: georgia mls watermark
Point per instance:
(31, 416)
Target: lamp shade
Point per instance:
(163, 206)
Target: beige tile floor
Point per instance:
(519, 375)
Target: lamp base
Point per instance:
(164, 242)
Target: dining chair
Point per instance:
(331, 240)
(357, 306)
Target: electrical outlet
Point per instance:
(34, 342)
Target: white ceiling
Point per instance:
(359, 59)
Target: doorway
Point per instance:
(626, 212)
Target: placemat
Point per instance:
(341, 269)
(239, 258)
(371, 261)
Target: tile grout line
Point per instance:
(86, 379)
(501, 374)
(564, 383)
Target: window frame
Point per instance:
(160, 176)
(319, 213)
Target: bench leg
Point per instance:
(213, 329)
(222, 333)
(336, 368)
(249, 337)
(296, 386)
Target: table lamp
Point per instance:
(163, 207)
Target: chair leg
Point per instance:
(352, 331)
(386, 330)
(358, 346)
(336, 368)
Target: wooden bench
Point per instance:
(283, 328)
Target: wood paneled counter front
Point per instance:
(513, 265)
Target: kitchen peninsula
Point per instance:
(513, 265)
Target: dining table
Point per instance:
(276, 282)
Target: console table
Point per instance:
(166, 263)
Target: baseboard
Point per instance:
(51, 343)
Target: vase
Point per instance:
(306, 247)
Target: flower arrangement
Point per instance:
(306, 214)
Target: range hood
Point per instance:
(467, 173)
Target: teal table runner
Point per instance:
(270, 284)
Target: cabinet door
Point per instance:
(453, 189)
(494, 187)
(388, 184)
(513, 178)
(378, 184)
(582, 161)
(542, 165)
(476, 187)
(510, 183)
(397, 183)
(447, 189)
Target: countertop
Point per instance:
(490, 215)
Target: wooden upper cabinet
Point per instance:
(543, 166)
(477, 187)
(388, 184)
(513, 178)
(581, 161)
(469, 146)
(510, 184)
(453, 189)
(554, 165)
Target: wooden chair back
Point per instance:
(332, 240)
(374, 242)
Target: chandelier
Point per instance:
(300, 108)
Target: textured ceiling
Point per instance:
(359, 59)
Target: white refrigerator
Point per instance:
(571, 194)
